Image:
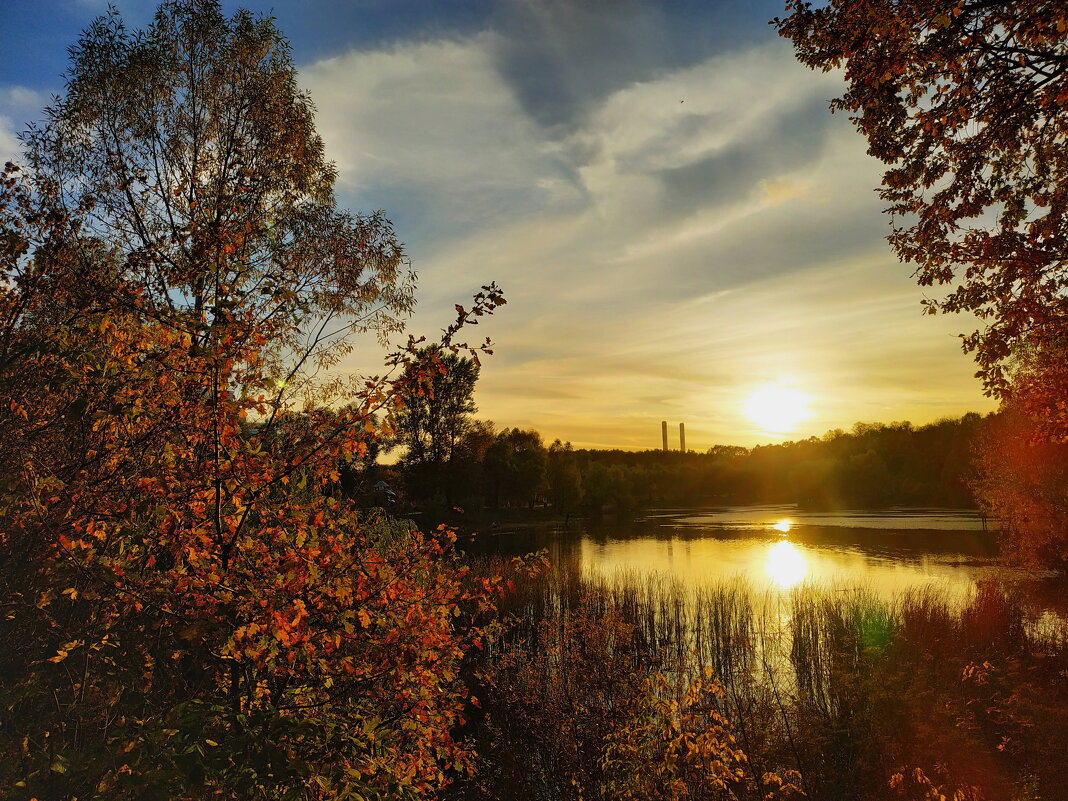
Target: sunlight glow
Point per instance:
(776, 409)
(784, 525)
(785, 565)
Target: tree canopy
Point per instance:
(189, 608)
(965, 101)
(438, 405)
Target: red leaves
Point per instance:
(171, 457)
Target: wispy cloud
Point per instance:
(434, 128)
(681, 240)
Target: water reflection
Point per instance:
(785, 565)
(887, 552)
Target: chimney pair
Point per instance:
(682, 435)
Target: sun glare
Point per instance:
(784, 525)
(785, 564)
(776, 409)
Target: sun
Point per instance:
(776, 409)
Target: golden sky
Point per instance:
(674, 215)
(690, 239)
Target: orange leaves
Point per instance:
(159, 502)
(64, 652)
(356, 448)
(964, 103)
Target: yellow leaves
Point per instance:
(71, 593)
(64, 652)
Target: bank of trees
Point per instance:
(871, 466)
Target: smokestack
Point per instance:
(682, 437)
(663, 430)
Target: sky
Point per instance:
(682, 229)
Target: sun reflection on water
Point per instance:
(785, 564)
(784, 525)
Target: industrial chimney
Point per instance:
(663, 430)
(682, 437)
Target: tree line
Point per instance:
(454, 460)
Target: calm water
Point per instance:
(777, 548)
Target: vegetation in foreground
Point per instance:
(189, 607)
(837, 695)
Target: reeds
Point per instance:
(845, 687)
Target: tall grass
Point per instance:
(867, 698)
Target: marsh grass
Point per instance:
(919, 696)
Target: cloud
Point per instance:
(561, 58)
(18, 105)
(661, 258)
(433, 125)
(9, 145)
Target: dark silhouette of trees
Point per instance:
(563, 478)
(437, 408)
(514, 468)
(870, 467)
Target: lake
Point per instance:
(850, 647)
(777, 548)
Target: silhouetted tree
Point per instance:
(437, 406)
(965, 102)
(563, 478)
(433, 421)
(515, 468)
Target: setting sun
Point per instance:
(776, 409)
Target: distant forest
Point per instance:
(872, 466)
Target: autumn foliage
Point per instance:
(964, 100)
(190, 608)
